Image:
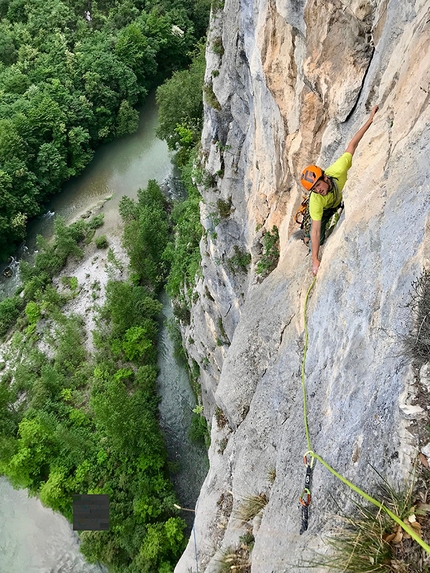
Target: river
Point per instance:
(33, 539)
(118, 168)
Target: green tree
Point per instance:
(52, 492)
(51, 167)
(146, 235)
(79, 151)
(9, 312)
(32, 310)
(29, 467)
(12, 79)
(127, 305)
(127, 120)
(137, 52)
(180, 101)
(137, 341)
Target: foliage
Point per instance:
(71, 282)
(240, 261)
(146, 235)
(222, 444)
(217, 46)
(69, 83)
(183, 253)
(38, 296)
(53, 255)
(180, 101)
(96, 221)
(89, 424)
(101, 242)
(210, 96)
(220, 418)
(271, 475)
(224, 208)
(224, 338)
(199, 431)
(235, 559)
(71, 422)
(270, 256)
(217, 5)
(247, 539)
(416, 343)
(32, 310)
(370, 540)
(250, 506)
(9, 311)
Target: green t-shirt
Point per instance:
(318, 203)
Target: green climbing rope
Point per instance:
(315, 456)
(305, 415)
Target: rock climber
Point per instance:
(326, 192)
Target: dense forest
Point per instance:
(74, 421)
(72, 73)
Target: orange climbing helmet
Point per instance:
(310, 176)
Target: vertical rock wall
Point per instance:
(289, 82)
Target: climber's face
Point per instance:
(322, 186)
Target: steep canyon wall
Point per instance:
(289, 82)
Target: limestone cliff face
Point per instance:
(289, 82)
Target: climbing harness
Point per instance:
(305, 498)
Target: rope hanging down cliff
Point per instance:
(305, 498)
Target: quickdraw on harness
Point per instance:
(303, 217)
(305, 498)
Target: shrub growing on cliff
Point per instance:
(236, 559)
(224, 208)
(217, 46)
(250, 506)
(183, 253)
(199, 431)
(270, 257)
(217, 5)
(210, 96)
(417, 342)
(370, 541)
(240, 261)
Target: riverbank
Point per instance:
(93, 271)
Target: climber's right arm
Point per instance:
(315, 240)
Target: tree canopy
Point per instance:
(73, 422)
(71, 76)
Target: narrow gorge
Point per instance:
(288, 82)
